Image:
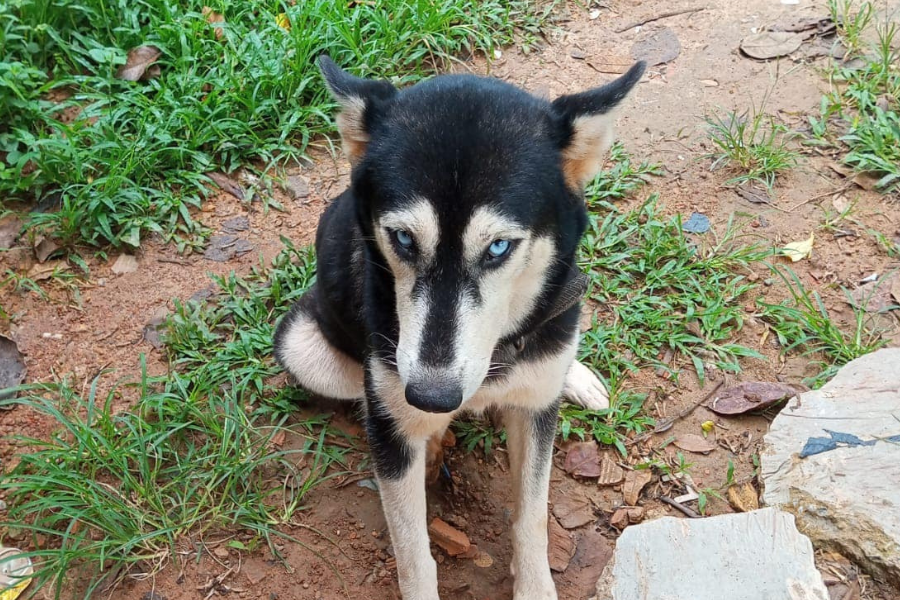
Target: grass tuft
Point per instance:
(112, 492)
(120, 160)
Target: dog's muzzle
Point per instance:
(434, 397)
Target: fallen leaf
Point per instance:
(43, 272)
(12, 367)
(895, 290)
(126, 263)
(296, 186)
(694, 443)
(876, 296)
(840, 203)
(707, 427)
(227, 184)
(236, 224)
(213, 18)
(799, 250)
(755, 193)
(483, 560)
(709, 82)
(610, 472)
(10, 226)
(153, 327)
(573, 511)
(223, 248)
(809, 26)
(751, 396)
(583, 460)
(137, 62)
(281, 19)
(44, 248)
(657, 47)
(561, 546)
(743, 497)
(634, 483)
(770, 44)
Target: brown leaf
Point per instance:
(634, 483)
(610, 472)
(895, 290)
(561, 547)
(755, 193)
(138, 61)
(43, 272)
(809, 26)
(743, 497)
(44, 248)
(583, 460)
(875, 296)
(751, 396)
(12, 367)
(573, 511)
(10, 226)
(770, 44)
(694, 443)
(212, 18)
(227, 184)
(126, 263)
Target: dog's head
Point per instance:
(470, 195)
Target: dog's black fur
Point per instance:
(460, 142)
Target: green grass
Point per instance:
(620, 180)
(657, 291)
(851, 18)
(131, 161)
(114, 490)
(753, 144)
(802, 323)
(861, 112)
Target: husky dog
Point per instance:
(447, 282)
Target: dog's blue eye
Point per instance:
(403, 238)
(498, 248)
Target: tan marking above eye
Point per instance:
(484, 228)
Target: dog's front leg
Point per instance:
(530, 442)
(400, 471)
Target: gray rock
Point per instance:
(296, 186)
(758, 555)
(832, 458)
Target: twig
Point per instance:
(664, 15)
(686, 510)
(819, 197)
(665, 424)
(173, 261)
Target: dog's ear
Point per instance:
(588, 121)
(360, 100)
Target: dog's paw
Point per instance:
(584, 388)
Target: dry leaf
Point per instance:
(10, 226)
(281, 19)
(610, 472)
(840, 203)
(634, 483)
(657, 47)
(876, 296)
(573, 511)
(895, 290)
(483, 560)
(770, 44)
(799, 250)
(44, 248)
(561, 548)
(583, 460)
(755, 193)
(743, 497)
(44, 271)
(12, 367)
(212, 18)
(709, 82)
(138, 61)
(694, 443)
(227, 184)
(751, 396)
(126, 263)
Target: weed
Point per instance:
(656, 291)
(608, 426)
(753, 143)
(802, 322)
(472, 433)
(703, 496)
(122, 160)
(890, 246)
(194, 456)
(622, 179)
(851, 21)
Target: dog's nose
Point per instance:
(434, 397)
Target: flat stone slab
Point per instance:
(832, 458)
(747, 556)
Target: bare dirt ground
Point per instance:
(663, 123)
